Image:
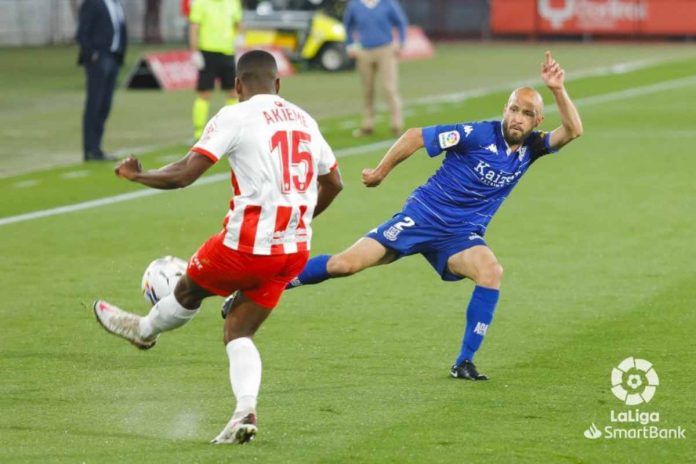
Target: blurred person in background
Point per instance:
(102, 36)
(213, 26)
(376, 53)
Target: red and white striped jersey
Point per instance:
(276, 152)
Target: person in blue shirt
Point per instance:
(376, 53)
(445, 219)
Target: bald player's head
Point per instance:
(523, 112)
(528, 95)
(257, 73)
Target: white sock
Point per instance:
(245, 373)
(167, 314)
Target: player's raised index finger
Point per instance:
(547, 57)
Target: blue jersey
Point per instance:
(479, 171)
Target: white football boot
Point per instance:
(239, 430)
(121, 323)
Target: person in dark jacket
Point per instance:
(102, 36)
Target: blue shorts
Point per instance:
(406, 235)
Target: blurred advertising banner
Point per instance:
(417, 45)
(602, 17)
(174, 70)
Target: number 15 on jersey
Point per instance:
(296, 164)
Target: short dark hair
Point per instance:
(257, 67)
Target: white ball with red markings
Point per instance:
(161, 277)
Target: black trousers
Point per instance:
(101, 82)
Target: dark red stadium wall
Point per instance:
(450, 18)
(632, 18)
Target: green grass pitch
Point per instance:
(597, 243)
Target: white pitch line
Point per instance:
(600, 71)
(150, 192)
(101, 202)
(75, 174)
(26, 183)
(639, 91)
(596, 99)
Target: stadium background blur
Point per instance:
(597, 244)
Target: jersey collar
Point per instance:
(508, 150)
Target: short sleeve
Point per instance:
(196, 15)
(220, 136)
(450, 137)
(327, 160)
(539, 145)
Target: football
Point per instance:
(161, 277)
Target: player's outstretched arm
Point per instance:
(172, 176)
(330, 185)
(408, 144)
(571, 124)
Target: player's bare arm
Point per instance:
(410, 142)
(172, 176)
(193, 36)
(571, 124)
(330, 185)
(196, 56)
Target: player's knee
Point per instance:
(341, 266)
(490, 275)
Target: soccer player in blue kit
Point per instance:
(445, 219)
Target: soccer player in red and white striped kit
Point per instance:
(284, 174)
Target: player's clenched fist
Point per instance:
(371, 178)
(128, 168)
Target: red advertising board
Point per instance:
(417, 45)
(173, 70)
(604, 17)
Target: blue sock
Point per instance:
(314, 272)
(479, 315)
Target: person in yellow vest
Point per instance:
(212, 33)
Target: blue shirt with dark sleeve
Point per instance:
(479, 171)
(374, 25)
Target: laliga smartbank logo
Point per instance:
(634, 381)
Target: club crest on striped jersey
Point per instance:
(209, 129)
